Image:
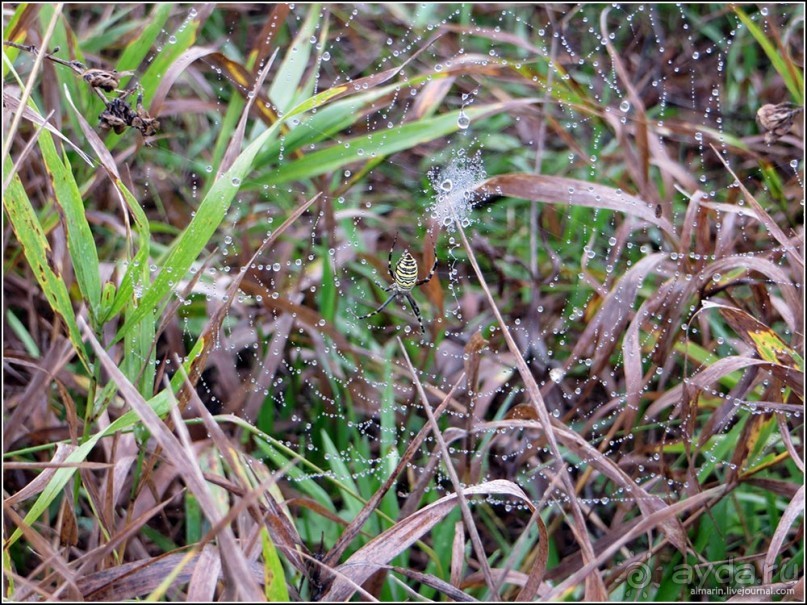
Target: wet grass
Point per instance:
(608, 399)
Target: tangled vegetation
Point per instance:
(230, 374)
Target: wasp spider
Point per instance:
(404, 277)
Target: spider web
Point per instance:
(317, 376)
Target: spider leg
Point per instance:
(389, 261)
(381, 308)
(431, 273)
(416, 309)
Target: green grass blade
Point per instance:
(287, 81)
(135, 279)
(198, 233)
(31, 236)
(80, 242)
(21, 332)
(358, 149)
(208, 217)
(275, 579)
(140, 47)
(793, 78)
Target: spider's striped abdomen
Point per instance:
(406, 272)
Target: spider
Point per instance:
(404, 278)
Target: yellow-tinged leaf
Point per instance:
(771, 348)
(274, 579)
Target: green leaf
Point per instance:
(80, 242)
(792, 76)
(383, 142)
(274, 579)
(287, 81)
(31, 235)
(140, 47)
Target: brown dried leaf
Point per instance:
(574, 192)
(234, 146)
(39, 482)
(206, 572)
(458, 554)
(794, 257)
(530, 590)
(235, 565)
(794, 509)
(384, 547)
(266, 37)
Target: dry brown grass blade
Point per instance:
(794, 257)
(431, 97)
(202, 583)
(11, 133)
(539, 559)
(266, 37)
(132, 580)
(39, 482)
(14, 425)
(453, 593)
(786, 489)
(182, 457)
(473, 355)
(406, 532)
(48, 555)
(690, 221)
(243, 79)
(786, 439)
(458, 554)
(502, 576)
(727, 365)
(574, 192)
(12, 103)
(352, 530)
(667, 299)
(641, 168)
(174, 71)
(644, 525)
(25, 151)
(448, 464)
(793, 309)
(595, 588)
(234, 147)
(601, 335)
(794, 509)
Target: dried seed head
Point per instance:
(777, 120)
